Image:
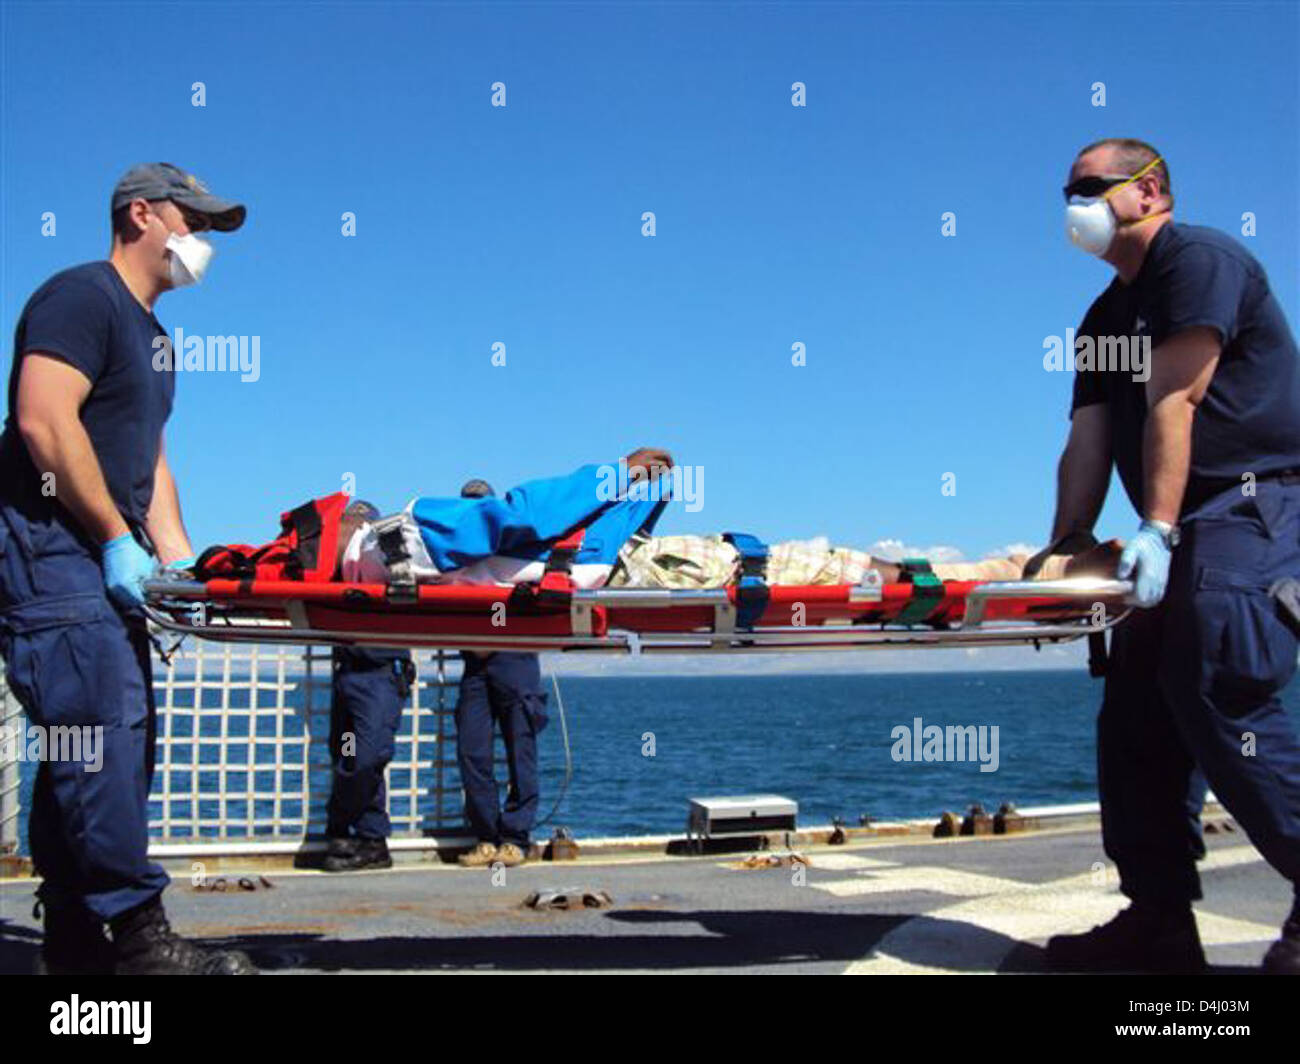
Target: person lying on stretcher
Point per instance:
(505, 541)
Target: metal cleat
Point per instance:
(567, 898)
(1007, 821)
(561, 847)
(948, 826)
(977, 822)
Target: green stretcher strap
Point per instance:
(927, 591)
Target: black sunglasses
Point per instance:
(194, 221)
(1093, 186)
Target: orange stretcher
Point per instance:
(631, 620)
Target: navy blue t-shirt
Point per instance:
(87, 317)
(1249, 420)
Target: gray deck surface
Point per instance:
(960, 905)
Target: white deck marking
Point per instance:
(921, 878)
(831, 862)
(1001, 913)
(845, 862)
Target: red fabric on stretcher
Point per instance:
(306, 548)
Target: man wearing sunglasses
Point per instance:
(85, 494)
(1207, 445)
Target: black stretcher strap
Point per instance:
(307, 525)
(752, 594)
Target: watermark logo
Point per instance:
(683, 484)
(956, 742)
(209, 354)
(82, 744)
(1115, 354)
(78, 1017)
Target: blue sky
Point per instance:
(522, 225)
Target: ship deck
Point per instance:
(960, 905)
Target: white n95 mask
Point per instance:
(1089, 221)
(1090, 224)
(189, 258)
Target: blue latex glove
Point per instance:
(1146, 558)
(181, 563)
(127, 565)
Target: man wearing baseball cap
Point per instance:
(502, 688)
(88, 510)
(370, 687)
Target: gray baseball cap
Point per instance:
(476, 489)
(159, 181)
(367, 511)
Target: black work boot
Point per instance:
(146, 945)
(75, 943)
(1142, 938)
(1283, 957)
(352, 855)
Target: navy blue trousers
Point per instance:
(73, 661)
(368, 692)
(502, 689)
(1195, 681)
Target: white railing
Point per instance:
(243, 749)
(10, 771)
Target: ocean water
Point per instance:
(824, 741)
(643, 746)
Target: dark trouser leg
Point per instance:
(74, 665)
(1143, 772)
(90, 683)
(1196, 788)
(338, 809)
(369, 690)
(474, 749)
(1227, 655)
(519, 703)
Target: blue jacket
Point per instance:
(531, 517)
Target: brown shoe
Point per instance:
(510, 855)
(482, 855)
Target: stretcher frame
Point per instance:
(639, 621)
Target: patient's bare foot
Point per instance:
(1101, 560)
(889, 572)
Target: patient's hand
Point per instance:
(1101, 560)
(654, 461)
